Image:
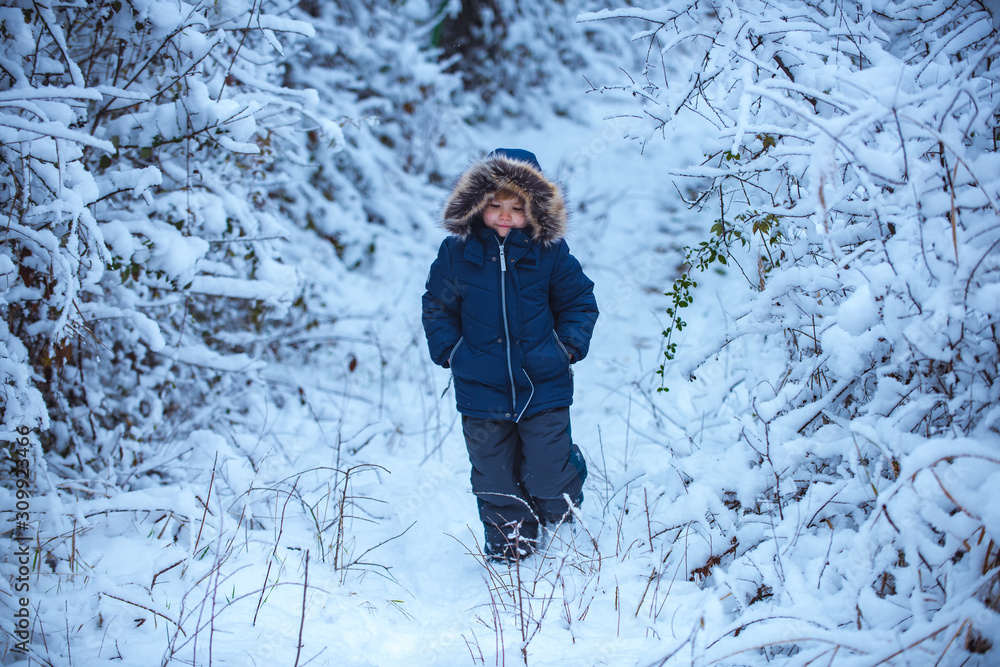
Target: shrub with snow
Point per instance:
(855, 512)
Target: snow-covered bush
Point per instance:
(132, 159)
(184, 190)
(161, 163)
(520, 56)
(854, 151)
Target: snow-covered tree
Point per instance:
(183, 188)
(851, 162)
(157, 166)
(132, 156)
(519, 56)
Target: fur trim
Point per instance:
(545, 209)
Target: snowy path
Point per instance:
(435, 603)
(414, 591)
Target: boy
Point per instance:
(508, 309)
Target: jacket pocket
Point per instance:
(569, 357)
(451, 356)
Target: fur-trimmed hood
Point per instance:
(516, 171)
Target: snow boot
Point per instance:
(511, 542)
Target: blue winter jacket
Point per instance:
(508, 316)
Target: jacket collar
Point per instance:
(483, 241)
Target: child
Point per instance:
(508, 309)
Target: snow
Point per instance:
(137, 180)
(272, 471)
(238, 288)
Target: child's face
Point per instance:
(504, 214)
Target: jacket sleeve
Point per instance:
(442, 301)
(571, 298)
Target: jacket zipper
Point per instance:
(506, 326)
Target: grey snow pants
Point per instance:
(522, 473)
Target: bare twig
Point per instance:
(302, 622)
